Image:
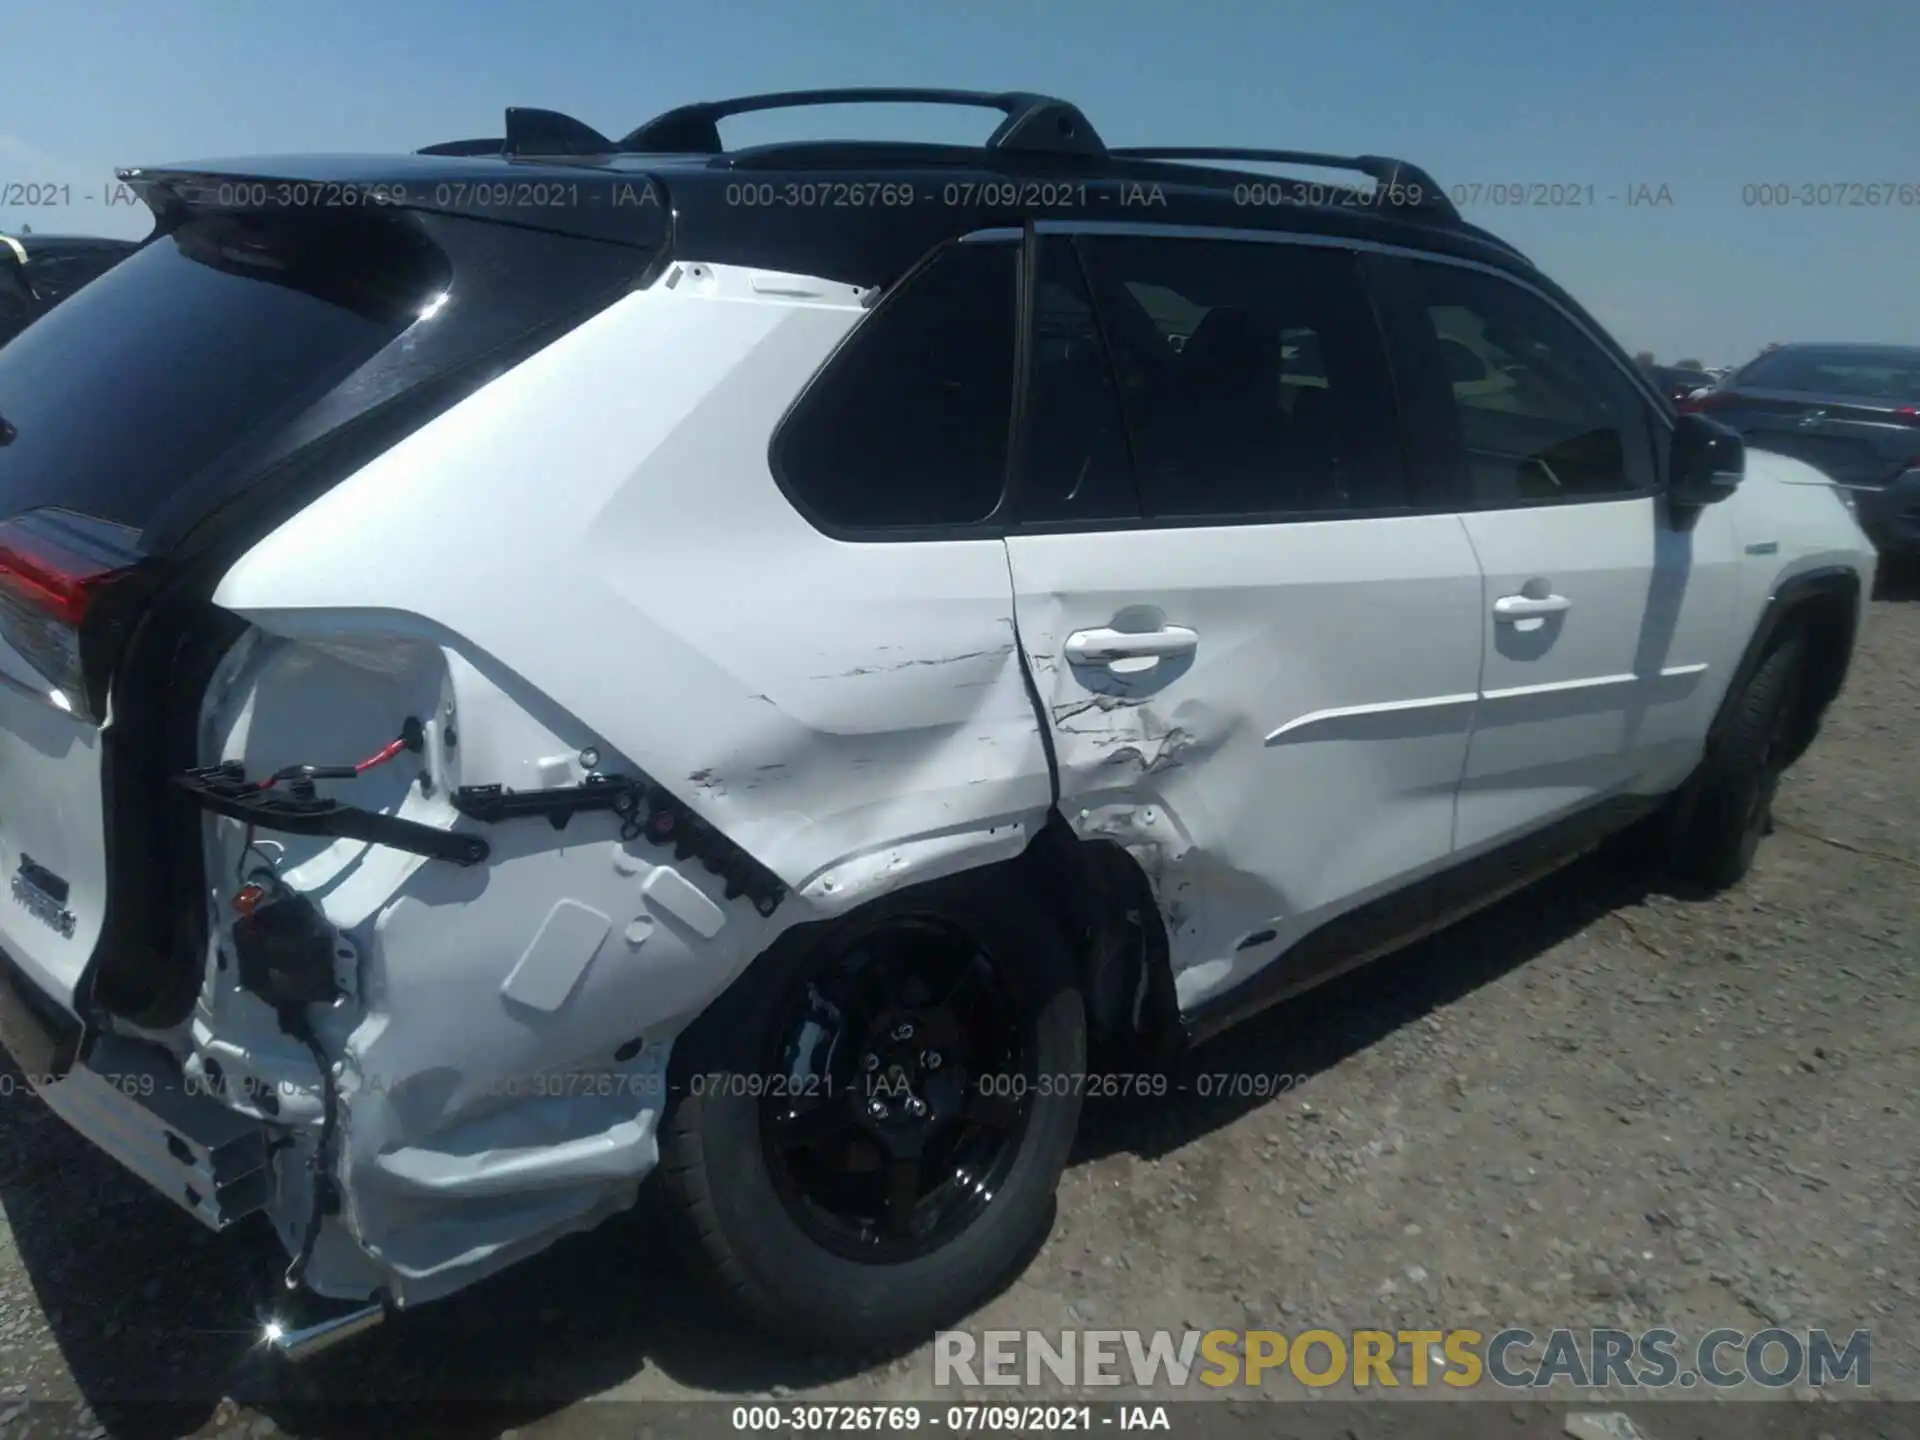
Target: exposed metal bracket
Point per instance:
(298, 810)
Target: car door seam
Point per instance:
(1479, 678)
(1041, 719)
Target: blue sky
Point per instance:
(1703, 99)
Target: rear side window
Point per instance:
(908, 424)
(57, 276)
(1511, 402)
(1253, 377)
(141, 378)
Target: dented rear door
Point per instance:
(1259, 667)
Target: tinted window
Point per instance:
(908, 424)
(1251, 374)
(143, 377)
(15, 309)
(1519, 403)
(57, 276)
(1869, 374)
(1075, 463)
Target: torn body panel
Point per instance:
(501, 1040)
(500, 1036)
(1227, 706)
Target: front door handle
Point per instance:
(1529, 607)
(1100, 647)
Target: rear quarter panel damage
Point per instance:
(633, 583)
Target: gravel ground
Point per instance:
(1593, 1105)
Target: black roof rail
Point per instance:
(1034, 124)
(1384, 170)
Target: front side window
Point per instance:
(1518, 403)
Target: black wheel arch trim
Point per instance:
(1788, 600)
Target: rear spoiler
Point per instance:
(627, 207)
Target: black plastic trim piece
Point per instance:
(1787, 599)
(1792, 592)
(494, 803)
(646, 810)
(225, 790)
(548, 132)
(495, 145)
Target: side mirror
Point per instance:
(1707, 461)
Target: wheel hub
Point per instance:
(886, 1144)
(909, 1081)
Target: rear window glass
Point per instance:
(1890, 375)
(201, 340)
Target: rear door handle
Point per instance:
(1098, 647)
(1528, 607)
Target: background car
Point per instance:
(1852, 411)
(37, 272)
(1677, 382)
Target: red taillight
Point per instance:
(55, 583)
(1907, 414)
(53, 564)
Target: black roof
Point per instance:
(35, 243)
(861, 212)
(838, 208)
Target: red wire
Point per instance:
(381, 756)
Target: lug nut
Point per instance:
(876, 1110)
(916, 1107)
(903, 1031)
(872, 1062)
(931, 1059)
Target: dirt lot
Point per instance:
(1591, 1106)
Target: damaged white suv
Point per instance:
(549, 658)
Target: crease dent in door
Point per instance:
(1240, 722)
(1144, 738)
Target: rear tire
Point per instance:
(1733, 806)
(798, 1201)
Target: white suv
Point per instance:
(550, 658)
